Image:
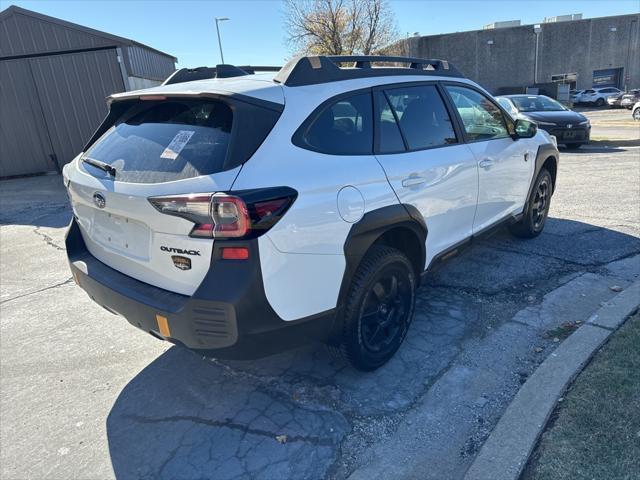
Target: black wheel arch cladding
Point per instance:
(370, 229)
(548, 156)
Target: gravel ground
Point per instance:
(85, 395)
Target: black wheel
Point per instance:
(535, 216)
(636, 114)
(600, 102)
(379, 308)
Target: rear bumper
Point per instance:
(227, 317)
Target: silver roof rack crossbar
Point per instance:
(310, 70)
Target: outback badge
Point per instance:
(183, 263)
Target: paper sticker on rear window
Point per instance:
(177, 144)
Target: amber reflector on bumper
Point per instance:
(163, 326)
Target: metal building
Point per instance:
(54, 77)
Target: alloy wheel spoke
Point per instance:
(370, 318)
(376, 333)
(393, 291)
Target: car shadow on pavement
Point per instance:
(45, 205)
(287, 416)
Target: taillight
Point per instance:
(230, 216)
(245, 214)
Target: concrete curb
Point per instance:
(506, 451)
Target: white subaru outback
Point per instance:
(244, 215)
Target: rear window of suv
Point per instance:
(168, 140)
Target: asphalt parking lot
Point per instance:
(86, 395)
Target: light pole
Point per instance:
(536, 29)
(220, 19)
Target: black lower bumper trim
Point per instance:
(228, 316)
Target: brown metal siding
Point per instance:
(146, 63)
(24, 35)
(66, 95)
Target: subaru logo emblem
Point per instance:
(99, 200)
(569, 125)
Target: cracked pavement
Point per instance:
(86, 395)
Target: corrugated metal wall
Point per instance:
(24, 35)
(146, 63)
(24, 143)
(54, 77)
(61, 99)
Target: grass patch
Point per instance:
(595, 431)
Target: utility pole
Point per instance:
(218, 20)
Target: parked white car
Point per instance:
(242, 216)
(599, 96)
(636, 111)
(575, 96)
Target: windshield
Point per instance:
(166, 141)
(534, 103)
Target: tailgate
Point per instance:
(123, 230)
(158, 147)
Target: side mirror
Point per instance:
(525, 128)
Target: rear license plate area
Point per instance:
(121, 234)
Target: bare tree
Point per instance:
(339, 27)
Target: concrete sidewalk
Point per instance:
(505, 453)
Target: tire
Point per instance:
(379, 308)
(535, 216)
(636, 114)
(600, 102)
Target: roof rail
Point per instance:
(223, 70)
(309, 70)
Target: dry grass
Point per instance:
(595, 432)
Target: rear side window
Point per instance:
(344, 127)
(422, 116)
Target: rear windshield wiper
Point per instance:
(101, 165)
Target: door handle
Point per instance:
(413, 181)
(486, 163)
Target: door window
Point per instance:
(508, 106)
(390, 137)
(482, 119)
(422, 116)
(343, 128)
